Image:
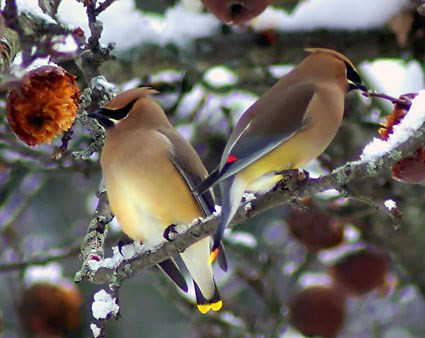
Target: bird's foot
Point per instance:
(291, 178)
(170, 232)
(123, 243)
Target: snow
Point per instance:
(236, 101)
(102, 84)
(104, 305)
(351, 233)
(330, 256)
(185, 21)
(390, 204)
(167, 75)
(402, 131)
(95, 330)
(190, 101)
(393, 77)
(31, 7)
(186, 130)
(311, 279)
(220, 76)
(241, 238)
(278, 71)
(50, 273)
(176, 26)
(330, 14)
(127, 252)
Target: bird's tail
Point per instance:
(195, 258)
(232, 190)
(204, 305)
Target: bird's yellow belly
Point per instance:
(294, 153)
(144, 208)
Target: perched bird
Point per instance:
(150, 171)
(290, 125)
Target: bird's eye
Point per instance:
(118, 114)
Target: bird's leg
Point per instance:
(170, 232)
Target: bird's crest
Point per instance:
(331, 53)
(125, 98)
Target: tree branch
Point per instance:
(40, 260)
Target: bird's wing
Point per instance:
(269, 122)
(187, 162)
(170, 268)
(190, 166)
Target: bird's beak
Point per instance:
(104, 120)
(357, 85)
(97, 114)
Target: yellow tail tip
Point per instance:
(216, 306)
(213, 256)
(204, 308)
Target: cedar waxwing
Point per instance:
(290, 125)
(150, 171)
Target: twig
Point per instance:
(404, 100)
(39, 260)
(104, 5)
(92, 246)
(66, 137)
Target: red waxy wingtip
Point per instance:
(231, 159)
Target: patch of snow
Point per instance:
(103, 84)
(328, 194)
(393, 77)
(31, 7)
(51, 273)
(220, 76)
(241, 238)
(330, 14)
(167, 75)
(186, 130)
(190, 102)
(330, 256)
(104, 305)
(130, 84)
(95, 330)
(351, 234)
(278, 71)
(176, 26)
(390, 204)
(312, 279)
(315, 169)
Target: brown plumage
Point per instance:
(290, 125)
(149, 171)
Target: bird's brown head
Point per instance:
(120, 106)
(353, 77)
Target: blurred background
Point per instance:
(335, 268)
